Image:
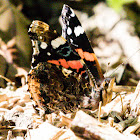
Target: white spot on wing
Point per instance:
(33, 44)
(69, 31)
(57, 42)
(33, 60)
(29, 30)
(72, 14)
(71, 40)
(31, 68)
(43, 45)
(36, 49)
(32, 24)
(78, 30)
(48, 53)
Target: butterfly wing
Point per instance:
(49, 46)
(48, 85)
(75, 35)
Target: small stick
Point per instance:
(8, 80)
(123, 88)
(9, 136)
(29, 134)
(132, 129)
(121, 103)
(99, 113)
(58, 134)
(66, 121)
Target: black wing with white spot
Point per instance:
(73, 32)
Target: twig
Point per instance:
(29, 134)
(121, 103)
(58, 134)
(123, 88)
(99, 113)
(133, 128)
(135, 102)
(8, 80)
(9, 136)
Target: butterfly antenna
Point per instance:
(124, 63)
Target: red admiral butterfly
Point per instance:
(61, 65)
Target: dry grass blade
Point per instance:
(133, 128)
(99, 113)
(66, 121)
(123, 88)
(58, 135)
(124, 124)
(9, 136)
(135, 102)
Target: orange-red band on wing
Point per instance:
(86, 55)
(63, 63)
(90, 57)
(80, 52)
(74, 64)
(56, 62)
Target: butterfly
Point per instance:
(62, 65)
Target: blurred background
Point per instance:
(112, 26)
